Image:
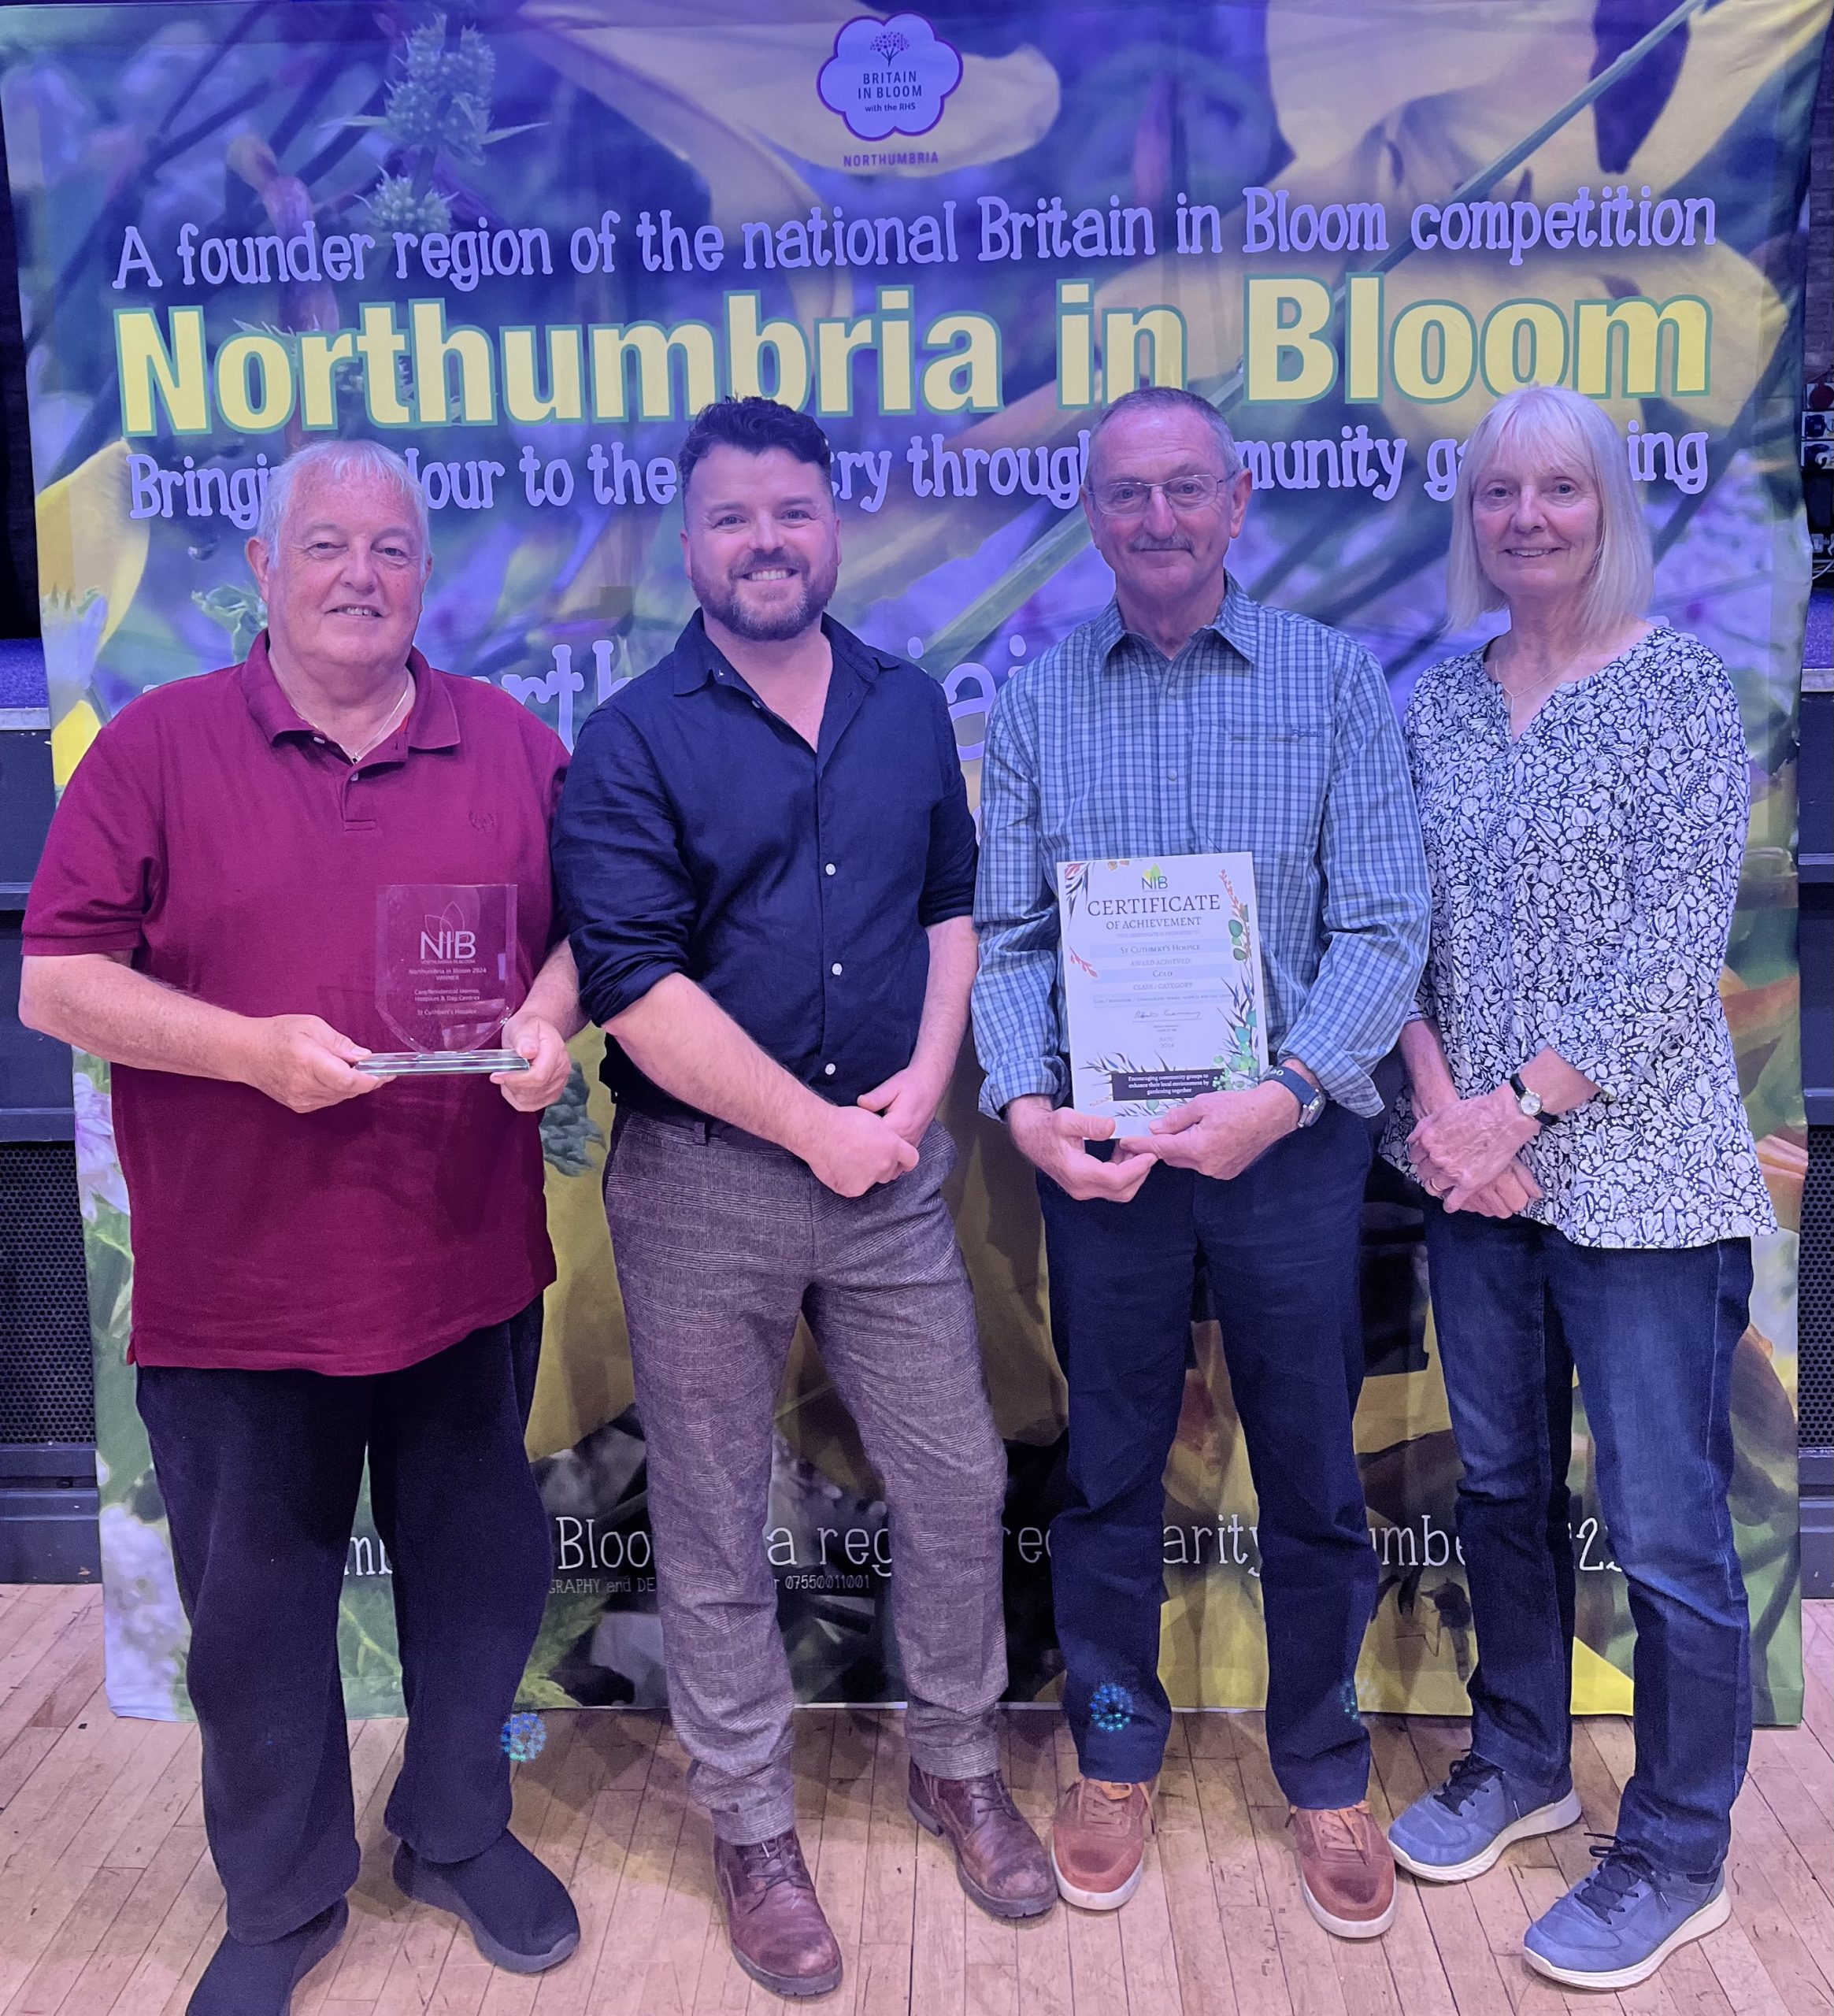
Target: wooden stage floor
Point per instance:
(108, 1902)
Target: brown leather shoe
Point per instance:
(1001, 1863)
(1098, 1843)
(1346, 1870)
(779, 1931)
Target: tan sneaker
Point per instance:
(1346, 1870)
(1098, 1843)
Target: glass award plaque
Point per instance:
(445, 966)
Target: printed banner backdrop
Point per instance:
(523, 243)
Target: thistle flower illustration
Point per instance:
(568, 1132)
(393, 205)
(444, 99)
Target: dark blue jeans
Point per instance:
(260, 1472)
(1652, 1333)
(1280, 1246)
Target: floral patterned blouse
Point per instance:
(1583, 876)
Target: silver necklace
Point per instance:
(397, 714)
(1516, 697)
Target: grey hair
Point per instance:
(1554, 421)
(1169, 398)
(339, 459)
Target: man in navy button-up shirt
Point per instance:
(707, 839)
(767, 862)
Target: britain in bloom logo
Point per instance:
(889, 76)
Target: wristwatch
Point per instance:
(1310, 1097)
(1530, 1102)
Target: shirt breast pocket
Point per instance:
(1262, 790)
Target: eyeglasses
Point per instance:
(1128, 498)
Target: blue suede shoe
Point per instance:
(1615, 1927)
(1457, 1833)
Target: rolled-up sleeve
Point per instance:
(625, 893)
(1016, 1022)
(1376, 907)
(104, 860)
(1693, 801)
(948, 890)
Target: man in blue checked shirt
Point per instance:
(1186, 719)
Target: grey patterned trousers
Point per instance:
(720, 1241)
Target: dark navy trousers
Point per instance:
(260, 1472)
(1280, 1246)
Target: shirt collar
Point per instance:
(697, 658)
(1237, 622)
(432, 722)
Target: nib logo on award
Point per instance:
(445, 961)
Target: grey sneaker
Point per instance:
(1615, 1927)
(1458, 1832)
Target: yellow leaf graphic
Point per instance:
(1598, 1688)
(87, 543)
(70, 741)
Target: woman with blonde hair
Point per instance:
(1574, 1113)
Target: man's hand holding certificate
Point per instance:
(1219, 1134)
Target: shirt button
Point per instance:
(835, 967)
(1171, 776)
(828, 1070)
(828, 869)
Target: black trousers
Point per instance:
(261, 1472)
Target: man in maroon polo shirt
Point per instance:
(328, 1263)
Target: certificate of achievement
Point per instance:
(1163, 992)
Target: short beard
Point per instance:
(720, 599)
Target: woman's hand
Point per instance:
(1460, 1150)
(1512, 1192)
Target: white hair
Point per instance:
(1554, 421)
(339, 460)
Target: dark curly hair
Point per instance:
(756, 426)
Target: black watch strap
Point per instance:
(1525, 1094)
